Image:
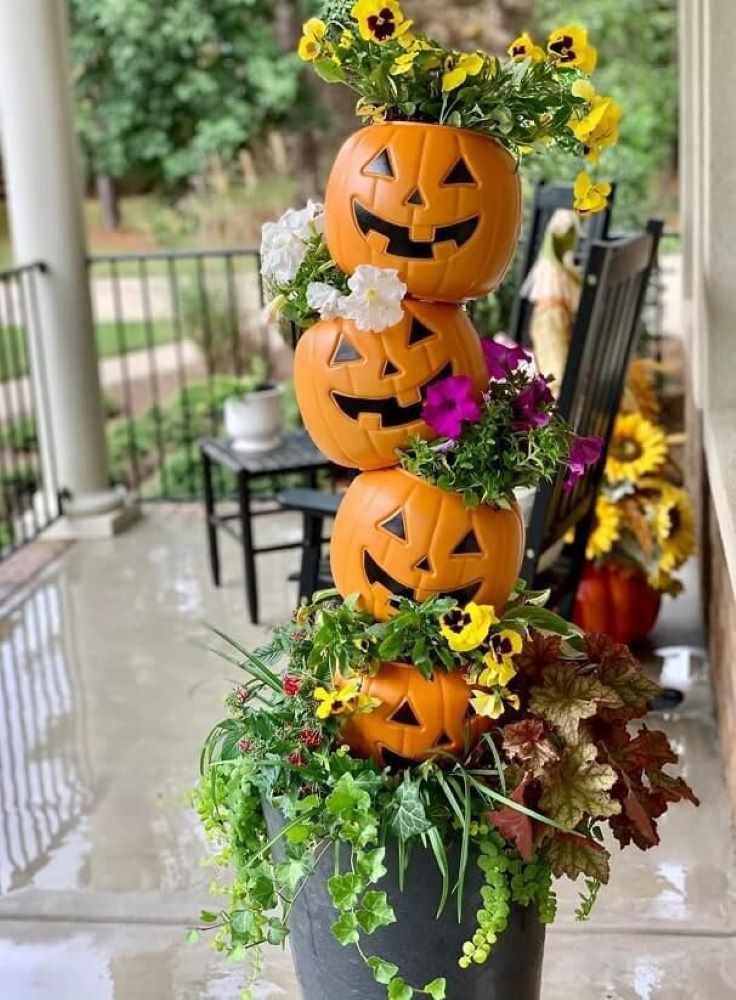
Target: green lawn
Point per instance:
(111, 341)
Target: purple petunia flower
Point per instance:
(448, 403)
(584, 451)
(531, 406)
(502, 360)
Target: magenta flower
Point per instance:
(448, 403)
(502, 360)
(584, 451)
(531, 406)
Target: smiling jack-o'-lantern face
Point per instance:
(440, 204)
(361, 393)
(398, 536)
(415, 718)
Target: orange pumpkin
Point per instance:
(416, 716)
(361, 393)
(397, 535)
(442, 205)
(616, 600)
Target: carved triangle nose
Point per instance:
(425, 565)
(415, 198)
(389, 368)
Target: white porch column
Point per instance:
(44, 191)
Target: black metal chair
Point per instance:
(547, 199)
(603, 341)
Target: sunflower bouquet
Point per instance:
(535, 98)
(644, 518)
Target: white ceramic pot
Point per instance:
(255, 422)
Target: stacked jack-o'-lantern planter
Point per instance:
(441, 206)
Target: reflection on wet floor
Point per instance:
(45, 774)
(105, 696)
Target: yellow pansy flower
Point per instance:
(492, 704)
(590, 198)
(499, 660)
(466, 628)
(404, 63)
(375, 112)
(380, 20)
(524, 47)
(310, 44)
(569, 47)
(337, 700)
(347, 39)
(583, 89)
(469, 64)
(599, 128)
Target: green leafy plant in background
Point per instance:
(161, 89)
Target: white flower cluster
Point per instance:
(374, 302)
(284, 243)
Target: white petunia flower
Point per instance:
(375, 298)
(325, 299)
(283, 243)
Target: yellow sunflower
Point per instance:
(606, 528)
(637, 448)
(675, 528)
(664, 582)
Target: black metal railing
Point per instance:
(176, 331)
(28, 492)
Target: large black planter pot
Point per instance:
(422, 947)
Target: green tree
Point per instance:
(637, 47)
(162, 86)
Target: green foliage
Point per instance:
(492, 457)
(161, 89)
(637, 42)
(290, 300)
(522, 103)
(279, 748)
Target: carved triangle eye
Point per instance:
(460, 174)
(380, 165)
(395, 526)
(345, 352)
(468, 546)
(419, 332)
(405, 715)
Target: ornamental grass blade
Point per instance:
(440, 854)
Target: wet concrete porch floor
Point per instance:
(105, 696)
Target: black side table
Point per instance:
(296, 453)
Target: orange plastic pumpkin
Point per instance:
(361, 393)
(397, 535)
(616, 600)
(442, 205)
(415, 718)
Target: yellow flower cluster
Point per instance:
(470, 627)
(568, 47)
(346, 699)
(312, 41)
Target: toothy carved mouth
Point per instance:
(388, 408)
(400, 243)
(377, 574)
